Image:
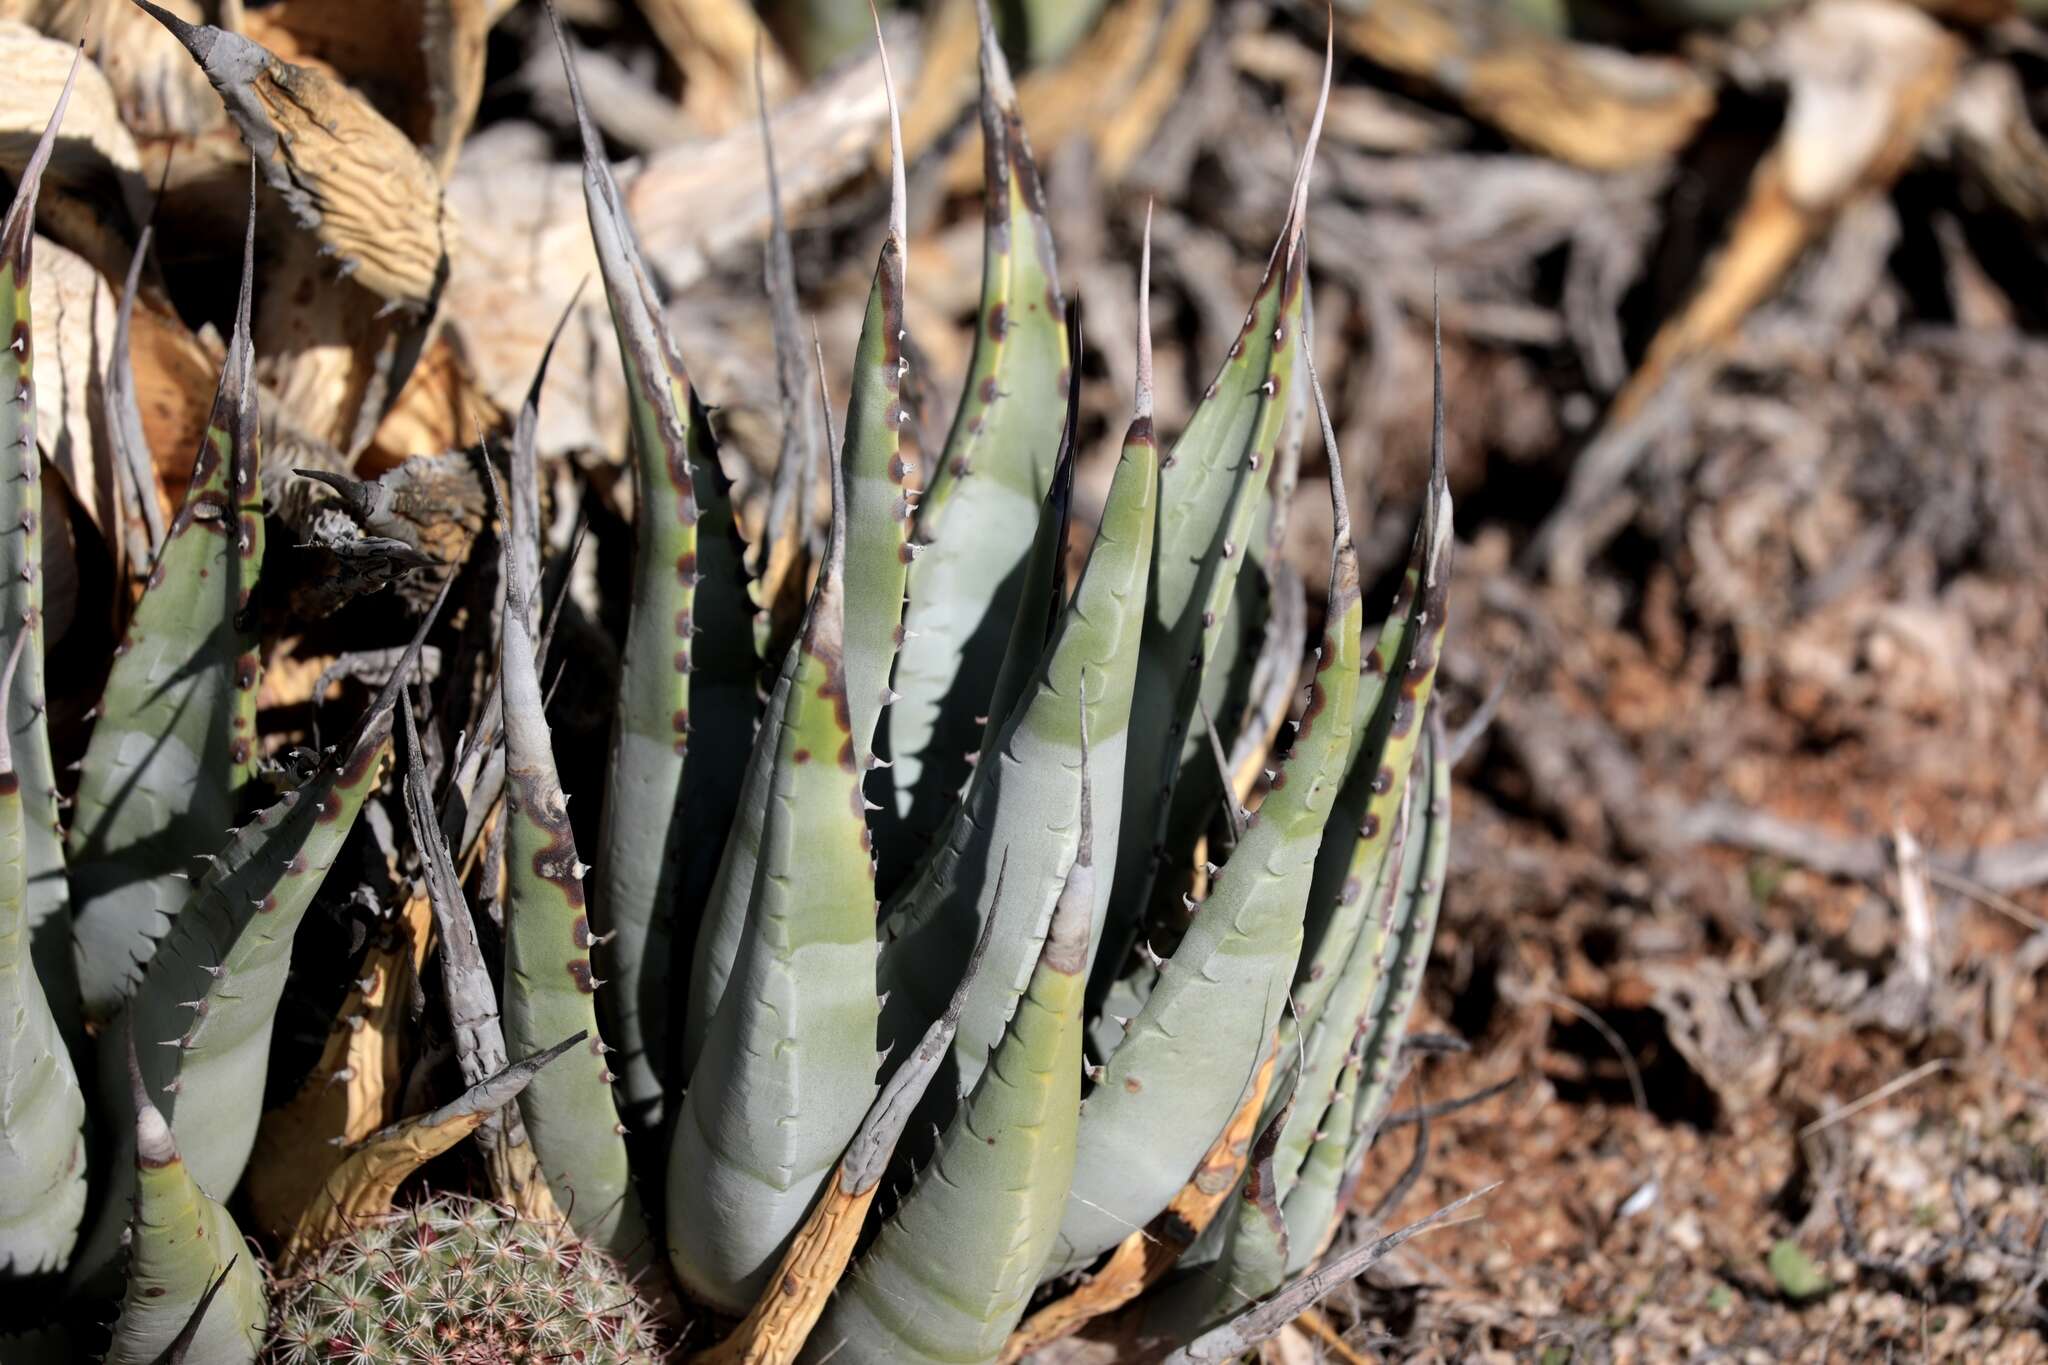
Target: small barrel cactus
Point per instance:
(460, 1281)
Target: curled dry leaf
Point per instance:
(422, 65)
(352, 179)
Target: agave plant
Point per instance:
(938, 1002)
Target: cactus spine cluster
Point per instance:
(459, 1281)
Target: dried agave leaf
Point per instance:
(74, 330)
(422, 64)
(329, 352)
(713, 42)
(354, 181)
(174, 373)
(94, 179)
(440, 408)
(452, 46)
(527, 246)
(95, 151)
(163, 97)
(362, 1186)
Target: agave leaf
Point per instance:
(1018, 808)
(1319, 1049)
(1401, 943)
(123, 416)
(1407, 951)
(46, 893)
(181, 1241)
(1311, 1205)
(780, 1322)
(788, 1067)
(784, 528)
(208, 1000)
(1253, 1257)
(352, 1090)
(175, 738)
(42, 1110)
(181, 1344)
(951, 1273)
(1274, 674)
(878, 490)
(1038, 615)
(974, 521)
(1211, 486)
(1044, 589)
(1143, 1258)
(1389, 728)
(230, 949)
(362, 1186)
(523, 462)
(1244, 1330)
(732, 890)
(686, 686)
(877, 552)
(550, 989)
(1189, 1057)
